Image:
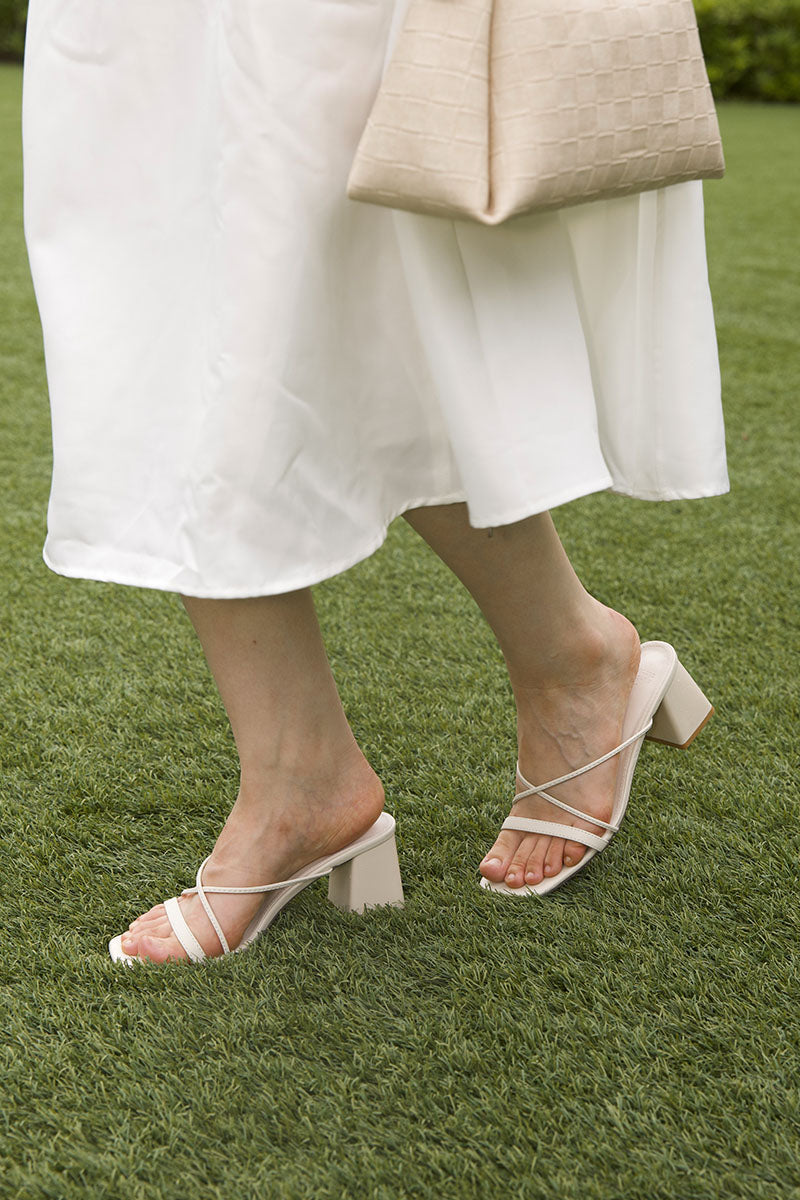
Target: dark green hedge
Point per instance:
(12, 28)
(752, 47)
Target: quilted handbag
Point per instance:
(493, 108)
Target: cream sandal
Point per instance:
(365, 874)
(665, 705)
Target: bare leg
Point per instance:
(571, 661)
(306, 789)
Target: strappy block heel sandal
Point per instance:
(665, 705)
(366, 874)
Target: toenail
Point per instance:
(530, 877)
(568, 860)
(490, 862)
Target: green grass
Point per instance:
(633, 1036)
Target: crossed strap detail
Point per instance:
(522, 824)
(178, 922)
(569, 832)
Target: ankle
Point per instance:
(298, 754)
(319, 774)
(598, 645)
(283, 823)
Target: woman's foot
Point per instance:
(273, 831)
(572, 714)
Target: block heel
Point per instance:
(369, 880)
(683, 712)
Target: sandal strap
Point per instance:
(262, 887)
(570, 833)
(182, 931)
(201, 892)
(542, 790)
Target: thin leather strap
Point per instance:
(576, 812)
(182, 931)
(543, 789)
(263, 887)
(570, 832)
(223, 941)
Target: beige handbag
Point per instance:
(493, 108)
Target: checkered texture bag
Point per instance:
(493, 108)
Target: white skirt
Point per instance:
(252, 375)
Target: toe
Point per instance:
(554, 859)
(516, 871)
(573, 853)
(155, 926)
(153, 914)
(130, 943)
(534, 867)
(157, 949)
(495, 865)
(160, 949)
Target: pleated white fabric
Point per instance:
(252, 375)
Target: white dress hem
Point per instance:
(109, 574)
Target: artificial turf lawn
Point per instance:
(633, 1035)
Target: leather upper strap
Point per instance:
(570, 833)
(543, 790)
(261, 887)
(178, 922)
(182, 931)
